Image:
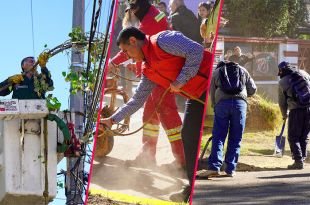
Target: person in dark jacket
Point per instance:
(239, 57)
(24, 86)
(229, 119)
(184, 20)
(299, 115)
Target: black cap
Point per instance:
(284, 68)
(283, 64)
(22, 62)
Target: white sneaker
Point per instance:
(232, 174)
(205, 173)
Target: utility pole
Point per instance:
(74, 184)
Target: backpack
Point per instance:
(232, 77)
(300, 88)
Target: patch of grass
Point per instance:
(263, 124)
(262, 115)
(253, 143)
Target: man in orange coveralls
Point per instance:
(151, 21)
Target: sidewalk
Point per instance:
(113, 173)
(260, 187)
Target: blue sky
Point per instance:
(52, 22)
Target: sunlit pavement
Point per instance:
(264, 187)
(116, 174)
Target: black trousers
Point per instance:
(191, 132)
(299, 132)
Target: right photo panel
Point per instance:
(257, 126)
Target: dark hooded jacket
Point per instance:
(26, 88)
(285, 93)
(185, 21)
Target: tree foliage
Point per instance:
(82, 80)
(265, 18)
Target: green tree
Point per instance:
(265, 18)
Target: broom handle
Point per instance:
(205, 148)
(283, 127)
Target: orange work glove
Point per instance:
(43, 58)
(16, 79)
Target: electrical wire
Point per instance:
(32, 28)
(100, 74)
(91, 101)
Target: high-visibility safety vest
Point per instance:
(153, 22)
(163, 68)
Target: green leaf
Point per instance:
(52, 103)
(60, 185)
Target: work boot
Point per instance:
(177, 165)
(143, 159)
(174, 165)
(296, 165)
(182, 196)
(207, 173)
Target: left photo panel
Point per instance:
(52, 72)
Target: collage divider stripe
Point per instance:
(101, 98)
(207, 97)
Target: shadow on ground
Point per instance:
(242, 167)
(286, 176)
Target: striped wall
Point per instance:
(289, 52)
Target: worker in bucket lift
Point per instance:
(24, 85)
(142, 14)
(178, 64)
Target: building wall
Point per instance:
(286, 50)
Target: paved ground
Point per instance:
(116, 174)
(263, 187)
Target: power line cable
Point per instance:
(32, 28)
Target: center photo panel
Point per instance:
(154, 101)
